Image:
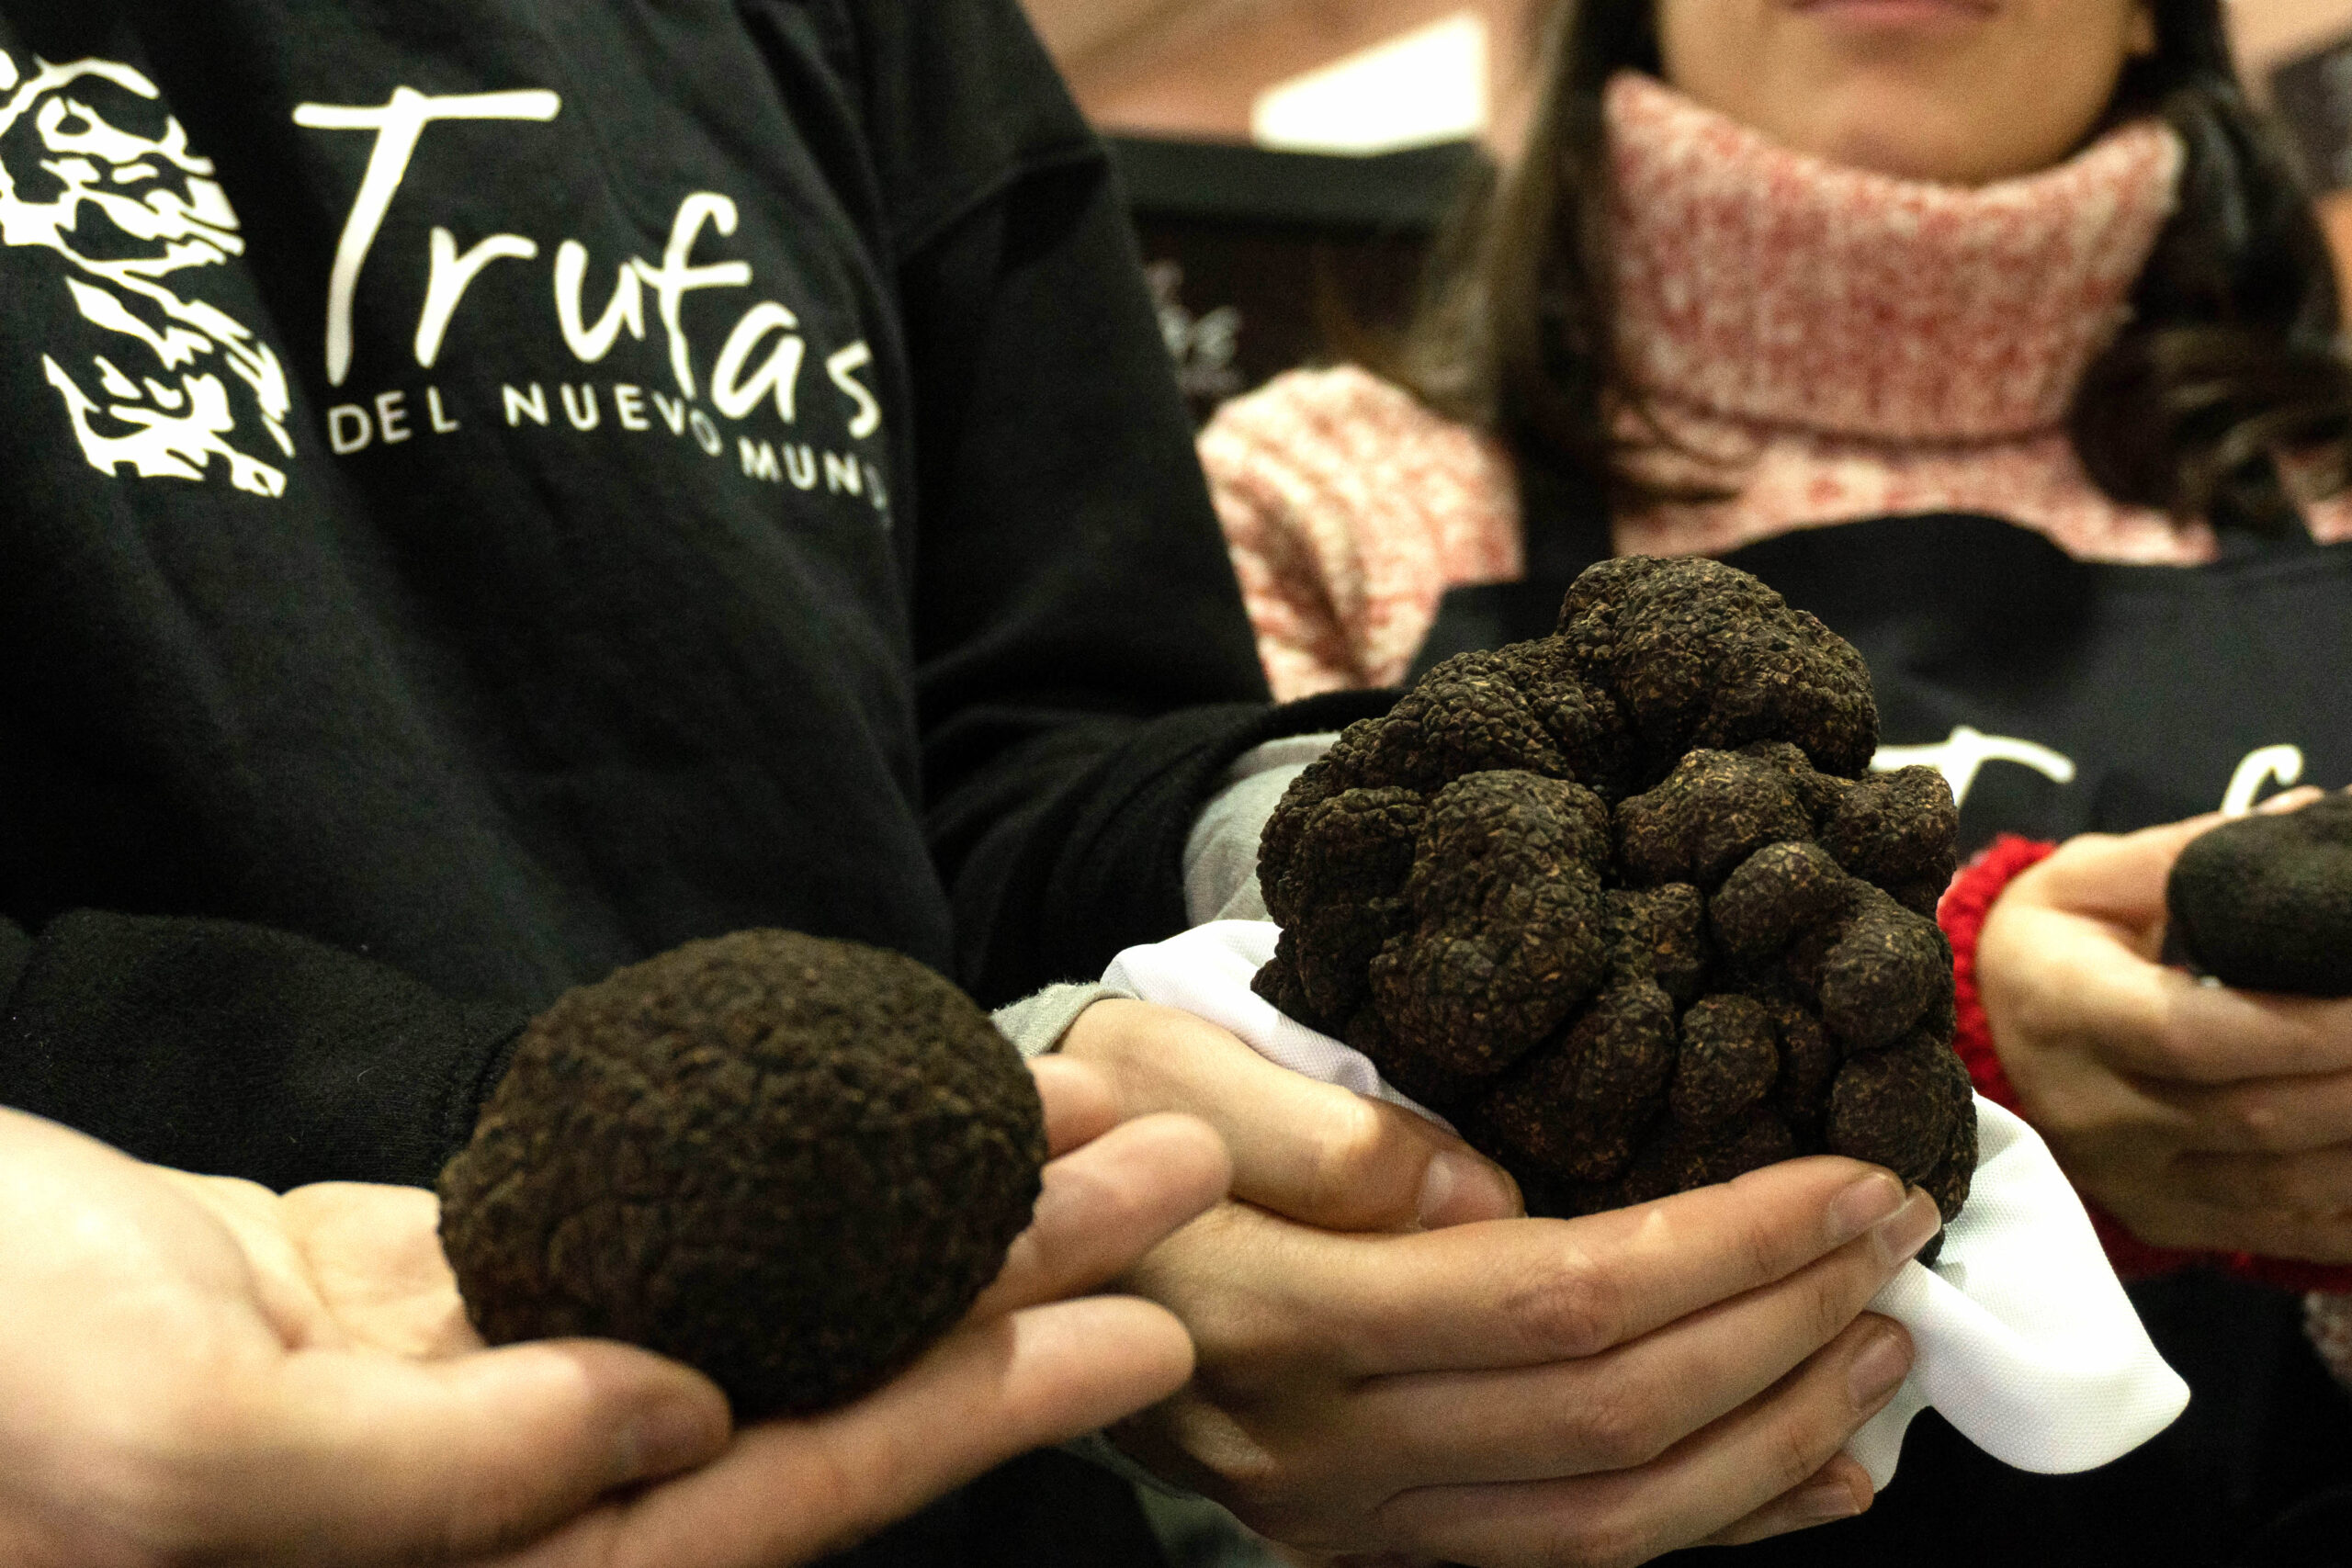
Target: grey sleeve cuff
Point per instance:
(1036, 1024)
(1221, 854)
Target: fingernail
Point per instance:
(674, 1435)
(1862, 1205)
(1913, 1226)
(1820, 1504)
(1461, 1188)
(1884, 1362)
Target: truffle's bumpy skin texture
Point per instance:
(2264, 903)
(791, 1163)
(1621, 904)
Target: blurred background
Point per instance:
(1288, 161)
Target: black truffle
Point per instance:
(1730, 1057)
(2264, 903)
(1713, 811)
(1900, 1107)
(1506, 892)
(1619, 904)
(1901, 831)
(1579, 1113)
(1700, 655)
(788, 1162)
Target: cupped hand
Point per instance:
(2202, 1118)
(1391, 1362)
(195, 1371)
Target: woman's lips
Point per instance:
(1898, 13)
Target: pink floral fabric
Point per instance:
(1350, 510)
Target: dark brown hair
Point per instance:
(2230, 355)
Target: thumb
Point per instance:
(2122, 878)
(394, 1460)
(1311, 1152)
(791, 1490)
(2117, 878)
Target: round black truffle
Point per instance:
(791, 1163)
(2264, 903)
(1619, 903)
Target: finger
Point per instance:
(2279, 1116)
(2315, 1184)
(2086, 985)
(1623, 1408)
(1313, 1152)
(1514, 1294)
(283, 1287)
(2212, 1034)
(1704, 1485)
(374, 1255)
(1081, 1103)
(362, 1457)
(2120, 878)
(790, 1491)
(1106, 1205)
(1839, 1490)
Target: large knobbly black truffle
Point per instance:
(791, 1163)
(2264, 903)
(1624, 906)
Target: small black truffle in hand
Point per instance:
(790, 1163)
(2264, 903)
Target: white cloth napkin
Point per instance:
(2025, 1339)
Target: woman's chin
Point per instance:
(1943, 162)
(1912, 132)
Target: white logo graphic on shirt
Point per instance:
(757, 384)
(1961, 758)
(131, 215)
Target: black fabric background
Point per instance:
(506, 709)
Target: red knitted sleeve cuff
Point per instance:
(1963, 914)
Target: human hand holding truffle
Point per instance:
(816, 1171)
(2204, 1118)
(1026, 1367)
(1596, 1390)
(1311, 1151)
(193, 1369)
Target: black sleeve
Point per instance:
(236, 1050)
(1087, 668)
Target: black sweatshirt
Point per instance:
(495, 490)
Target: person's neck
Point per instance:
(1766, 286)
